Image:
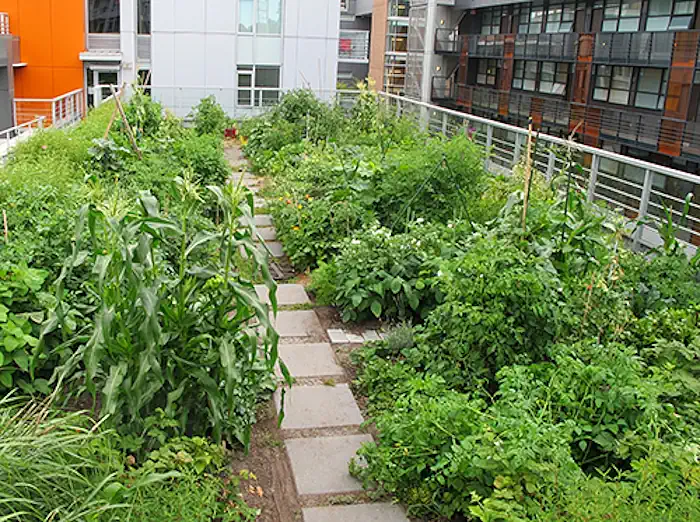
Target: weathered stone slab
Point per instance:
(319, 407)
(286, 294)
(266, 233)
(309, 360)
(275, 248)
(355, 513)
(320, 465)
(371, 335)
(298, 323)
(337, 336)
(263, 220)
(354, 339)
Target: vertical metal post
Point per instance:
(551, 162)
(595, 162)
(444, 123)
(517, 148)
(643, 206)
(424, 118)
(398, 108)
(41, 122)
(489, 142)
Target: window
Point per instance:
(260, 16)
(144, 7)
(622, 15)
(530, 19)
(399, 8)
(491, 20)
(486, 74)
(560, 18)
(665, 15)
(258, 85)
(651, 88)
(394, 73)
(103, 16)
(525, 75)
(544, 77)
(397, 36)
(613, 84)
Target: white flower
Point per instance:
(418, 243)
(450, 225)
(356, 242)
(420, 220)
(439, 273)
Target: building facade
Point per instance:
(245, 52)
(623, 75)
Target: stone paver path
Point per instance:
(321, 426)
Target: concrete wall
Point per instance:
(377, 48)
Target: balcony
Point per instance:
(643, 129)
(444, 90)
(447, 41)
(4, 23)
(102, 48)
(353, 46)
(642, 48)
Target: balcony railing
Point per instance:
(643, 48)
(104, 43)
(444, 89)
(4, 23)
(643, 129)
(447, 41)
(353, 46)
(58, 112)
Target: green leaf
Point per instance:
(2, 358)
(21, 359)
(12, 343)
(396, 285)
(6, 379)
(376, 308)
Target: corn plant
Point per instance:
(183, 337)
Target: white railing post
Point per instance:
(398, 108)
(595, 162)
(489, 142)
(551, 162)
(444, 123)
(517, 148)
(643, 206)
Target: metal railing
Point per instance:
(641, 48)
(644, 129)
(4, 23)
(447, 41)
(353, 46)
(633, 187)
(9, 138)
(443, 88)
(104, 43)
(62, 111)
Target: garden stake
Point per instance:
(114, 115)
(528, 173)
(132, 139)
(4, 223)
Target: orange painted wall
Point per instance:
(52, 36)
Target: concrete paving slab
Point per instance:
(263, 220)
(337, 336)
(355, 513)
(286, 294)
(275, 248)
(320, 465)
(259, 202)
(266, 233)
(318, 407)
(371, 335)
(310, 360)
(298, 323)
(354, 339)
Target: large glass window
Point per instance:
(651, 88)
(491, 20)
(399, 7)
(258, 85)
(397, 36)
(103, 16)
(245, 16)
(560, 18)
(269, 17)
(144, 16)
(395, 73)
(530, 19)
(544, 77)
(486, 74)
(665, 15)
(622, 15)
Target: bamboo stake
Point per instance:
(528, 173)
(114, 116)
(132, 139)
(4, 222)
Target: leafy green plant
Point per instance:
(174, 337)
(209, 117)
(107, 156)
(204, 156)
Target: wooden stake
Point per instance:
(528, 173)
(4, 221)
(126, 123)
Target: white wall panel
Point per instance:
(221, 16)
(244, 50)
(267, 50)
(190, 60)
(189, 16)
(163, 59)
(220, 60)
(162, 15)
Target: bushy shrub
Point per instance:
(209, 117)
(204, 156)
(143, 114)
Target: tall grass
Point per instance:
(55, 466)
